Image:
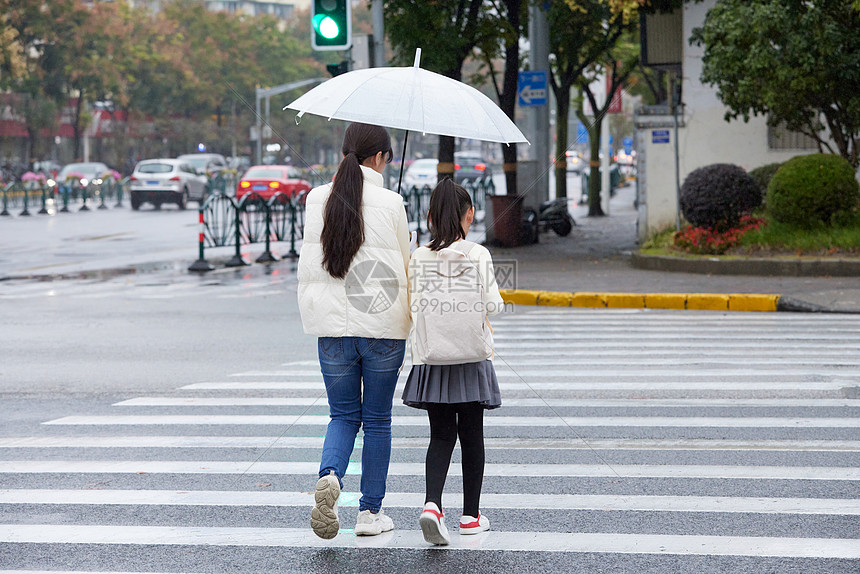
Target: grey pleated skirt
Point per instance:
(464, 383)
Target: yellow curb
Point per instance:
(752, 302)
(625, 300)
(519, 296)
(554, 298)
(708, 302)
(666, 301)
(692, 301)
(592, 300)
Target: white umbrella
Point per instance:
(411, 99)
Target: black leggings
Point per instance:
(447, 421)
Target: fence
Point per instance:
(30, 195)
(227, 222)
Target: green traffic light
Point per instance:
(328, 28)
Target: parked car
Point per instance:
(158, 181)
(420, 173)
(210, 164)
(81, 174)
(575, 162)
(472, 166)
(265, 181)
(49, 168)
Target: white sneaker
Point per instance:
(432, 523)
(324, 513)
(370, 524)
(472, 525)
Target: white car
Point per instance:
(158, 181)
(210, 164)
(420, 173)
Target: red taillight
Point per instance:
(174, 178)
(480, 167)
(244, 184)
(456, 166)
(274, 184)
(132, 178)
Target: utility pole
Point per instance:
(539, 115)
(378, 19)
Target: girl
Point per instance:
(454, 396)
(353, 296)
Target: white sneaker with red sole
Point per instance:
(472, 525)
(432, 523)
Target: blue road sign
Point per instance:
(581, 133)
(659, 136)
(532, 88)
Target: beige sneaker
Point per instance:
(370, 524)
(324, 513)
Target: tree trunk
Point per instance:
(561, 134)
(446, 158)
(508, 97)
(76, 127)
(594, 207)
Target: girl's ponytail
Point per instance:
(449, 203)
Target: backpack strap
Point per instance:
(464, 247)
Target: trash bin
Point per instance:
(507, 219)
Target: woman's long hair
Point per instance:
(449, 203)
(343, 222)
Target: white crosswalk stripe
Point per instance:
(645, 427)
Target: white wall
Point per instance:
(706, 138)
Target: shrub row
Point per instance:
(805, 192)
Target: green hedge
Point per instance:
(813, 189)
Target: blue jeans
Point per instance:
(360, 375)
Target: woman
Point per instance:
(353, 296)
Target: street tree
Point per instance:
(796, 62)
(586, 43)
(447, 31)
(505, 44)
(13, 64)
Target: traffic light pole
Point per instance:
(268, 93)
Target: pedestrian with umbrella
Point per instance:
(353, 296)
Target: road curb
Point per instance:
(692, 301)
(749, 266)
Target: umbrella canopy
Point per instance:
(412, 99)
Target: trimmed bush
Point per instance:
(715, 196)
(762, 175)
(813, 189)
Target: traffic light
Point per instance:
(331, 24)
(338, 69)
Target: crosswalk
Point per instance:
(672, 441)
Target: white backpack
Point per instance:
(449, 310)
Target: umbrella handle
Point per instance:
(402, 160)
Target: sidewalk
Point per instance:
(593, 259)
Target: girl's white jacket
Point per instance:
(480, 255)
(373, 300)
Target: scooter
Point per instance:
(552, 214)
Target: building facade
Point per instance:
(666, 154)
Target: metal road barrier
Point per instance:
(225, 221)
(46, 198)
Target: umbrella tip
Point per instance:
(417, 57)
